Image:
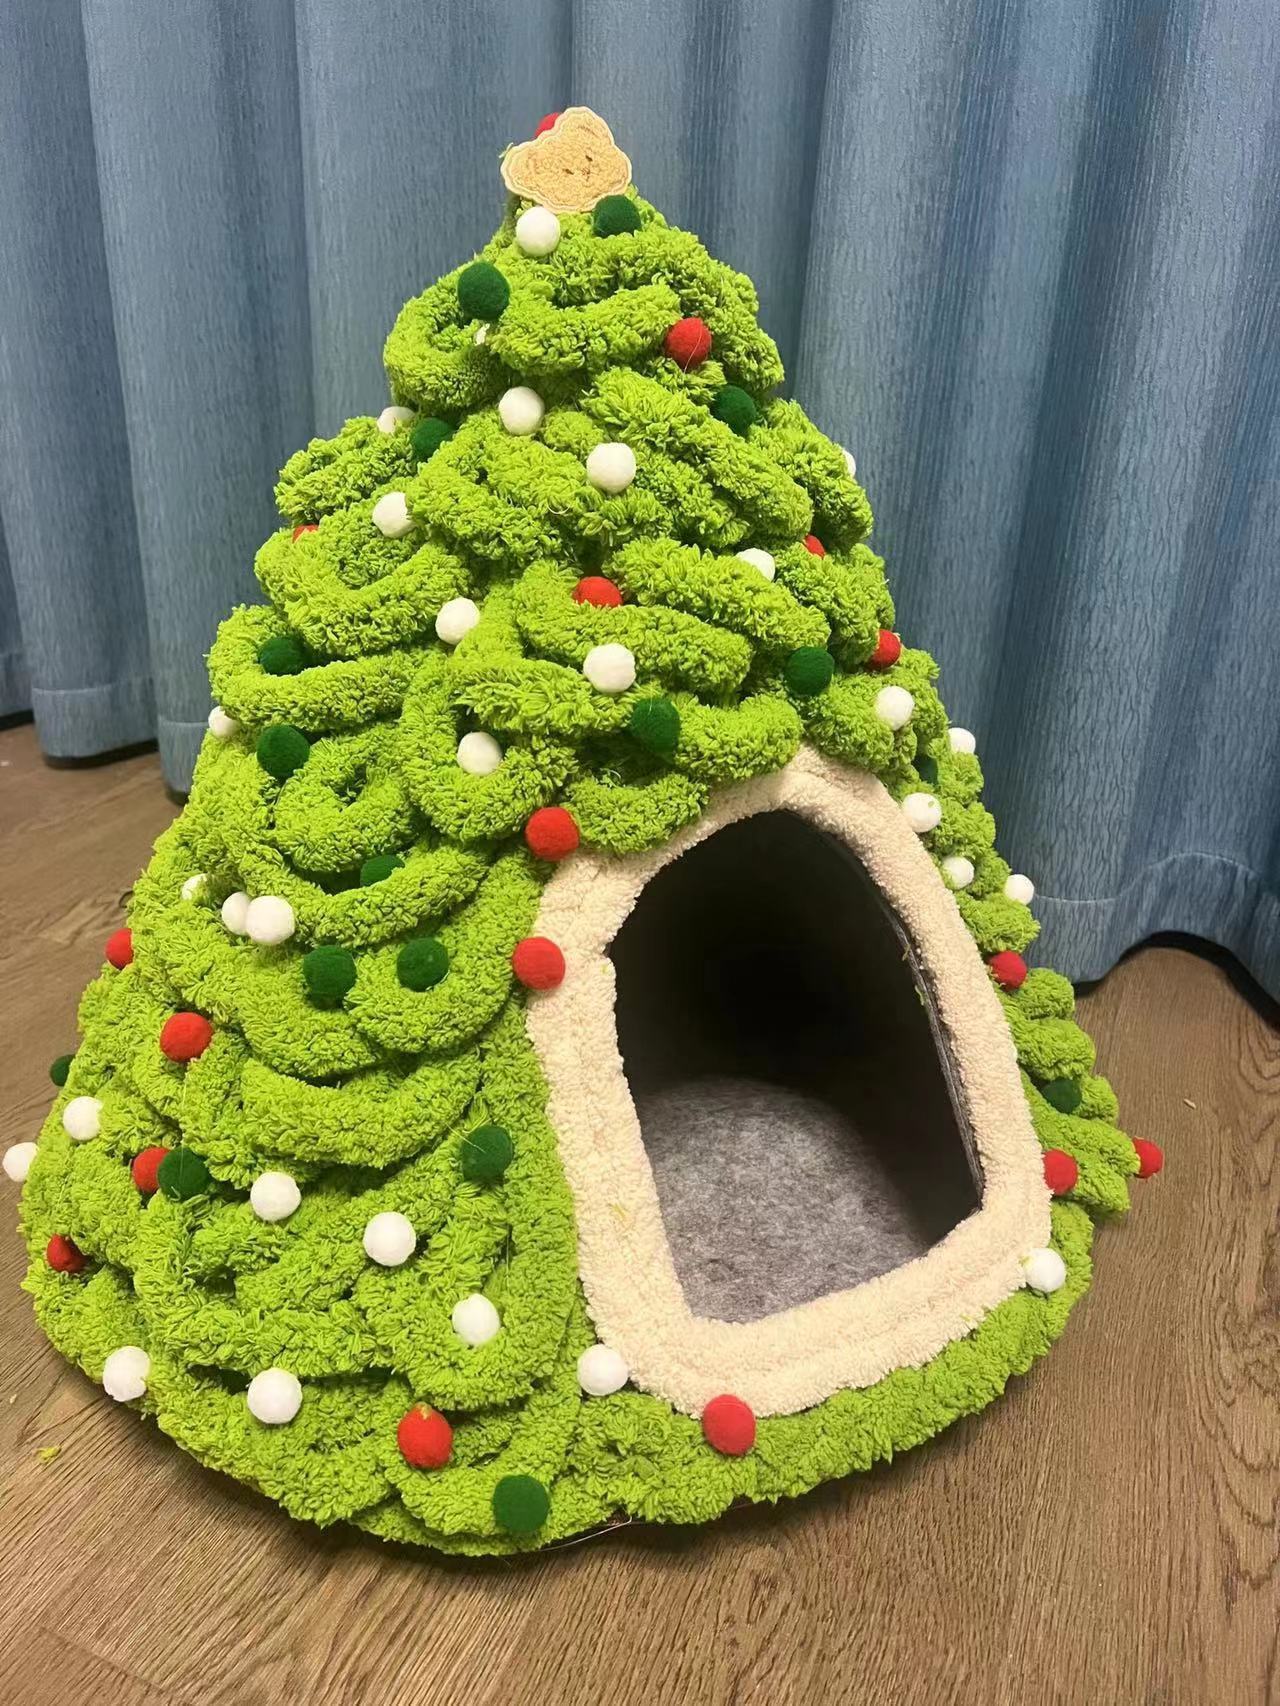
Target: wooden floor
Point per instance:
(1107, 1533)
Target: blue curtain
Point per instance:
(1023, 256)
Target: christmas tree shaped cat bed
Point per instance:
(572, 1060)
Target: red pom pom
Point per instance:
(310, 527)
(545, 123)
(1008, 969)
(814, 545)
(119, 949)
(688, 343)
(888, 650)
(425, 1438)
(538, 963)
(1150, 1157)
(729, 1425)
(64, 1256)
(1060, 1171)
(184, 1036)
(551, 833)
(595, 589)
(146, 1167)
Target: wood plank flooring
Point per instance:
(1107, 1533)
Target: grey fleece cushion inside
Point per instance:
(791, 1082)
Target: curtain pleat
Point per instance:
(1022, 256)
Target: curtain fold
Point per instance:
(1022, 256)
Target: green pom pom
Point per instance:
(486, 1153)
(482, 291)
(520, 1504)
(282, 749)
(615, 214)
(421, 964)
(59, 1069)
(734, 407)
(655, 723)
(809, 669)
(182, 1174)
(283, 654)
(427, 437)
(328, 973)
(927, 769)
(379, 868)
(1064, 1094)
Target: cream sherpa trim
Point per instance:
(791, 1360)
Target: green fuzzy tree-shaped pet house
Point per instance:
(575, 844)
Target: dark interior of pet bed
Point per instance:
(794, 1089)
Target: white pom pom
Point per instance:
(602, 1371)
(475, 1320)
(393, 418)
(391, 515)
(1045, 1270)
(850, 464)
(962, 741)
(194, 886)
(82, 1118)
(124, 1374)
(537, 231)
(389, 1239)
(479, 754)
(894, 706)
(235, 913)
(274, 1196)
(759, 559)
(1018, 887)
(17, 1161)
(274, 1396)
(958, 870)
(922, 812)
(221, 725)
(481, 335)
(269, 920)
(611, 467)
(611, 668)
(456, 618)
(521, 410)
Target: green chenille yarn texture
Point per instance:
(380, 1056)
